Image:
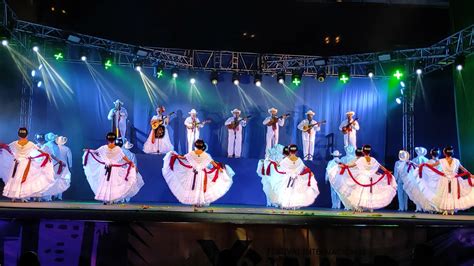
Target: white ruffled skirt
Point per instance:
(38, 180)
(162, 145)
(62, 181)
(267, 183)
(357, 197)
(196, 189)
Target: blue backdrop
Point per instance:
(81, 114)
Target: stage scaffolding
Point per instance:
(432, 58)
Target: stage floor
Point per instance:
(223, 214)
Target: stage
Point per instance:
(232, 214)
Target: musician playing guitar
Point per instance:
(159, 141)
(349, 128)
(308, 128)
(273, 123)
(193, 126)
(235, 125)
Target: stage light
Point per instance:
(459, 62)
(257, 79)
(344, 74)
(235, 78)
(5, 42)
(321, 76)
(192, 80)
(419, 65)
(73, 39)
(39, 84)
(35, 48)
(319, 62)
(398, 74)
(174, 73)
(33, 73)
(138, 68)
(281, 77)
(214, 77)
(40, 66)
(370, 71)
(59, 56)
(402, 83)
(107, 64)
(296, 77)
(142, 53)
(398, 100)
(384, 57)
(137, 65)
(158, 71)
(402, 91)
(83, 58)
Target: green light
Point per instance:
(108, 64)
(159, 74)
(296, 81)
(59, 56)
(344, 78)
(398, 74)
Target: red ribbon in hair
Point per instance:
(307, 171)
(275, 166)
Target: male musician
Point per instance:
(118, 115)
(349, 127)
(193, 126)
(273, 123)
(309, 127)
(235, 125)
(158, 140)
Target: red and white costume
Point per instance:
(109, 177)
(292, 183)
(25, 170)
(193, 180)
(273, 130)
(361, 187)
(156, 145)
(445, 187)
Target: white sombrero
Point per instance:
(128, 145)
(336, 153)
(236, 111)
(61, 140)
(118, 101)
(193, 111)
(350, 113)
(272, 110)
(403, 155)
(421, 151)
(310, 112)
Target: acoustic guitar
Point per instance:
(307, 128)
(347, 128)
(236, 123)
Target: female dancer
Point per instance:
(274, 154)
(451, 192)
(26, 170)
(195, 178)
(293, 183)
(359, 185)
(110, 179)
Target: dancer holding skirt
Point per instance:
(195, 178)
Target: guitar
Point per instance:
(197, 124)
(236, 123)
(307, 128)
(347, 128)
(275, 119)
(156, 123)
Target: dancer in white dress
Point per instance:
(132, 157)
(110, 179)
(159, 140)
(418, 160)
(292, 181)
(62, 175)
(360, 185)
(454, 191)
(336, 202)
(195, 178)
(416, 188)
(26, 170)
(275, 154)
